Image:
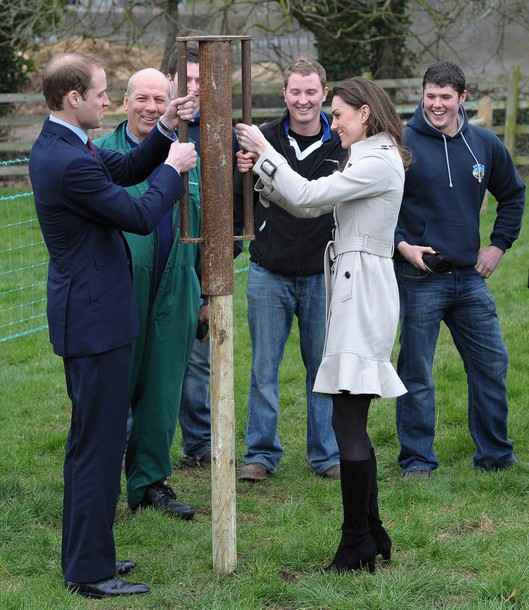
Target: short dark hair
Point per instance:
(444, 73)
(192, 58)
(383, 117)
(305, 66)
(64, 73)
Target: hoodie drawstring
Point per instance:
(461, 124)
(448, 162)
(472, 153)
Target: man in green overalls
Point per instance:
(167, 290)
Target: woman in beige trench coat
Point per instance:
(362, 294)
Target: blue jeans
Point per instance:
(273, 299)
(195, 412)
(460, 299)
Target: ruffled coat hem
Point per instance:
(358, 375)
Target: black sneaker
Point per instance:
(196, 461)
(417, 473)
(161, 497)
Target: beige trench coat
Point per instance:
(362, 293)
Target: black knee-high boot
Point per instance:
(379, 534)
(357, 549)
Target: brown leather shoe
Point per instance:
(332, 473)
(253, 472)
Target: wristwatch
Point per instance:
(170, 133)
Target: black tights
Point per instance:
(349, 420)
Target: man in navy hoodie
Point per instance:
(441, 270)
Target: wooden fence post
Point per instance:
(485, 111)
(215, 59)
(511, 110)
(223, 492)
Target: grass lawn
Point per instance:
(460, 539)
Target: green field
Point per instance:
(460, 539)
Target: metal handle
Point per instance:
(247, 179)
(183, 137)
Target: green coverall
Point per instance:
(168, 322)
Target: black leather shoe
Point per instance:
(112, 587)
(161, 497)
(196, 461)
(124, 566)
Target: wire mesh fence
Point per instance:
(23, 264)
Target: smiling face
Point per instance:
(304, 97)
(349, 123)
(90, 107)
(441, 106)
(146, 101)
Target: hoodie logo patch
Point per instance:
(478, 171)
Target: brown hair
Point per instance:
(305, 66)
(65, 73)
(192, 58)
(445, 73)
(383, 117)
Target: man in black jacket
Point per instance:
(286, 279)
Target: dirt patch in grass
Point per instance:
(484, 525)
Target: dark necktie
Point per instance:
(91, 148)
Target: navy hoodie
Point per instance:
(445, 185)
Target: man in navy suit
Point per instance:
(82, 207)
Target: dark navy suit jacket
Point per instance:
(82, 207)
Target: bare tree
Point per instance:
(451, 28)
(349, 36)
(172, 30)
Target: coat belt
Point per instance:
(359, 243)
